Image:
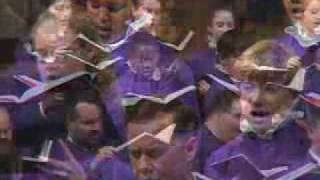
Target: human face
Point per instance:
(87, 129)
(62, 10)
(222, 22)
(109, 17)
(155, 160)
(229, 119)
(260, 103)
(5, 125)
(145, 60)
(153, 7)
(51, 64)
(311, 16)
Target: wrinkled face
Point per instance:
(222, 22)
(311, 16)
(145, 60)
(155, 160)
(153, 7)
(261, 102)
(87, 129)
(62, 10)
(109, 16)
(51, 64)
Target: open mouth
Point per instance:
(260, 113)
(105, 29)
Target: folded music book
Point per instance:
(44, 154)
(238, 167)
(133, 98)
(42, 88)
(183, 43)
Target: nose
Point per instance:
(104, 14)
(96, 127)
(144, 164)
(256, 97)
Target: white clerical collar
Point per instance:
(246, 127)
(212, 42)
(301, 35)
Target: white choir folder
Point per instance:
(241, 167)
(132, 99)
(39, 89)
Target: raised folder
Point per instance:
(164, 136)
(182, 44)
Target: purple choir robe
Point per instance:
(110, 169)
(208, 143)
(294, 46)
(168, 83)
(214, 89)
(202, 63)
(284, 148)
(311, 83)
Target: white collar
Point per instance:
(212, 42)
(246, 127)
(301, 35)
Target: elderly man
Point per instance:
(154, 159)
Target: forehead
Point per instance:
(151, 3)
(148, 143)
(154, 126)
(46, 38)
(108, 1)
(88, 111)
(311, 4)
(59, 3)
(145, 49)
(223, 15)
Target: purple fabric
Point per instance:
(112, 100)
(110, 169)
(208, 143)
(290, 42)
(214, 89)
(202, 63)
(287, 144)
(312, 80)
(169, 83)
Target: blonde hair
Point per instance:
(246, 67)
